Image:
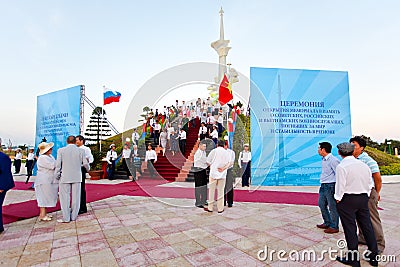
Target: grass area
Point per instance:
(382, 158)
(388, 164)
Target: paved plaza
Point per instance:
(145, 231)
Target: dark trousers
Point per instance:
(193, 123)
(111, 170)
(182, 146)
(156, 137)
(229, 188)
(209, 129)
(29, 167)
(17, 164)
(150, 167)
(200, 183)
(125, 166)
(83, 208)
(136, 166)
(354, 207)
(220, 129)
(2, 196)
(202, 136)
(246, 173)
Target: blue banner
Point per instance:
(58, 116)
(292, 111)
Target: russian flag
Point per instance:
(111, 96)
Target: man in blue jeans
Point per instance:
(327, 190)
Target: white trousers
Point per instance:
(70, 200)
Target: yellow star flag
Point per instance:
(225, 91)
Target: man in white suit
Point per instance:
(70, 159)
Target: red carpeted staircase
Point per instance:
(169, 166)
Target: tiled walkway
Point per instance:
(143, 231)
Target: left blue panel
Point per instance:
(58, 116)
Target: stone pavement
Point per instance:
(144, 231)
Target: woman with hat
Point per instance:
(46, 186)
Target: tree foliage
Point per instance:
(98, 129)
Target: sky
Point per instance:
(50, 45)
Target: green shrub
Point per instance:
(381, 158)
(392, 169)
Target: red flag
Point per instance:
(225, 91)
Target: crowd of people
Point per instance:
(168, 130)
(350, 190)
(170, 126)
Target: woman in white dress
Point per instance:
(46, 186)
(163, 140)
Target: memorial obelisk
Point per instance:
(222, 49)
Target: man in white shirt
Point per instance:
(17, 161)
(135, 137)
(214, 134)
(182, 141)
(244, 162)
(203, 117)
(151, 158)
(202, 131)
(111, 157)
(220, 122)
(80, 141)
(352, 190)
(229, 178)
(157, 130)
(219, 161)
(30, 159)
(200, 175)
(210, 122)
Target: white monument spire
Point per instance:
(221, 25)
(222, 49)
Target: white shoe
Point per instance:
(45, 218)
(61, 221)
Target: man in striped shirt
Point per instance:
(359, 145)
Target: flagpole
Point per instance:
(227, 117)
(102, 116)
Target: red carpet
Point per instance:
(169, 166)
(149, 187)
